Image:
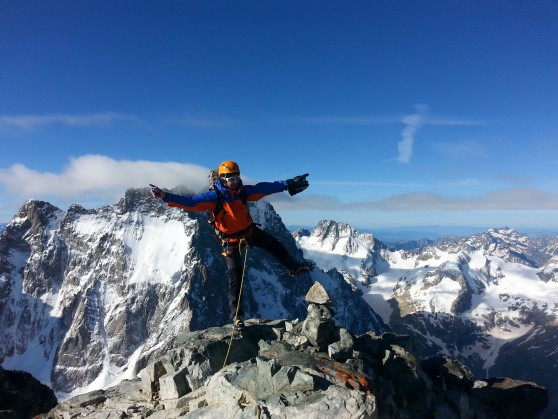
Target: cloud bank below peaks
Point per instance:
(513, 199)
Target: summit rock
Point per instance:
(274, 371)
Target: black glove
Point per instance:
(157, 192)
(297, 184)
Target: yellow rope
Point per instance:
(257, 406)
(239, 295)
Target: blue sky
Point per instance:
(403, 112)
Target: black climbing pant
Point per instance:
(235, 263)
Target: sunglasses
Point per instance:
(231, 178)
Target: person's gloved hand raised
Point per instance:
(297, 184)
(157, 192)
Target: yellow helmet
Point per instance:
(228, 167)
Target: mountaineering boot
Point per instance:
(238, 324)
(302, 267)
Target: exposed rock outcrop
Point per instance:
(303, 369)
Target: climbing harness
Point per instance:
(240, 243)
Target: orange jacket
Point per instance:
(234, 216)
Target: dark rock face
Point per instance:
(22, 396)
(538, 358)
(275, 370)
(511, 398)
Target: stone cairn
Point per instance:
(304, 369)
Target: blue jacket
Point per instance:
(234, 216)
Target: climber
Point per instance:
(234, 225)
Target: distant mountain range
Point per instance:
(89, 297)
(488, 299)
(417, 234)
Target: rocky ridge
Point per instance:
(305, 369)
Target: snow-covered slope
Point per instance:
(498, 283)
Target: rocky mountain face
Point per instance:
(90, 297)
(488, 300)
(22, 396)
(308, 368)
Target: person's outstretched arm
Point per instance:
(262, 189)
(198, 203)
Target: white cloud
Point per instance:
(412, 124)
(91, 174)
(97, 178)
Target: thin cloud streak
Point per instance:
(439, 121)
(344, 120)
(205, 121)
(382, 120)
(503, 200)
(443, 184)
(27, 122)
(472, 149)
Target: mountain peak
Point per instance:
(37, 213)
(336, 229)
(340, 236)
